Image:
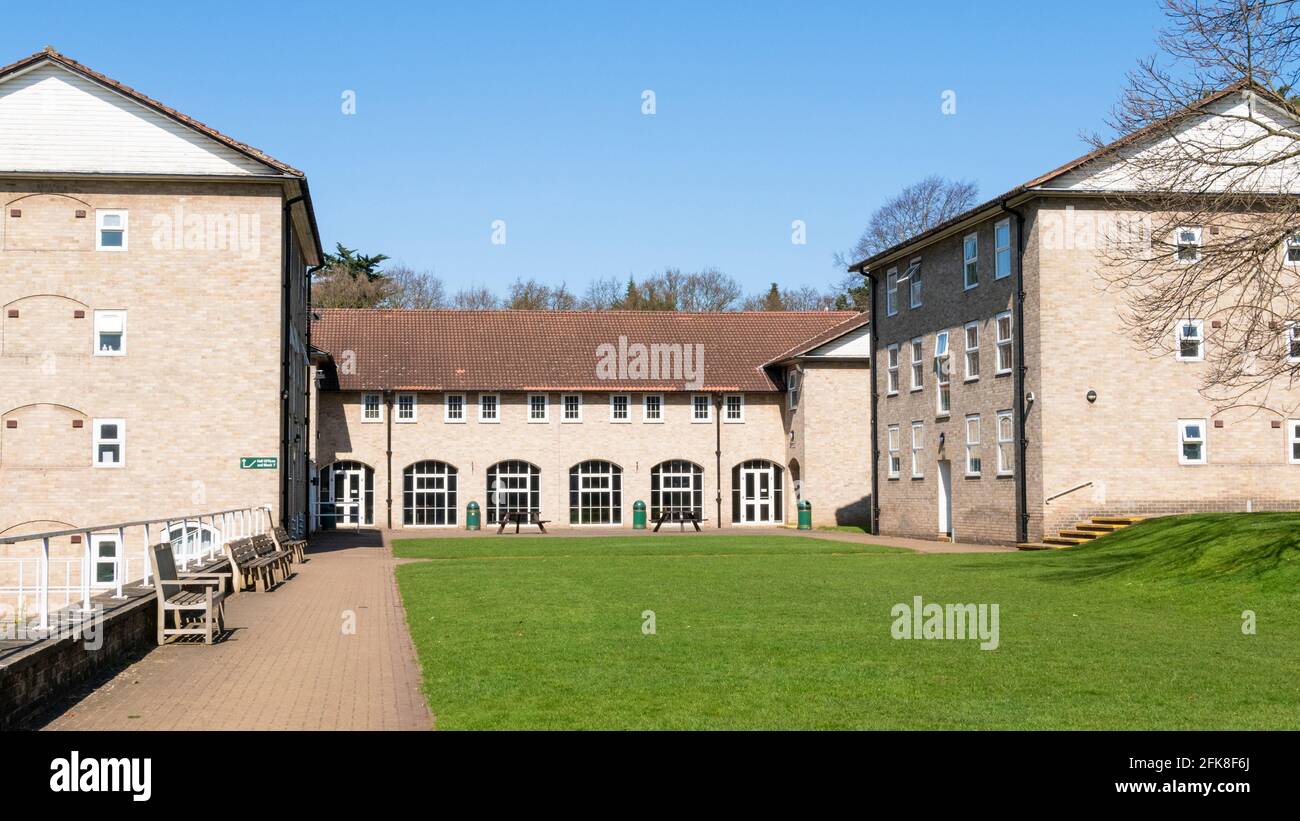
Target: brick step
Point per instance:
(1117, 520)
(1078, 534)
(1099, 529)
(1034, 546)
(1064, 541)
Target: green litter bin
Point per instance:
(638, 515)
(805, 514)
(472, 516)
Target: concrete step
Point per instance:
(1099, 529)
(1034, 546)
(1117, 520)
(1064, 541)
(1078, 534)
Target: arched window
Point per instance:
(676, 485)
(192, 539)
(429, 494)
(756, 491)
(513, 486)
(595, 493)
(346, 495)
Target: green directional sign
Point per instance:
(258, 462)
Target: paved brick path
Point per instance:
(287, 665)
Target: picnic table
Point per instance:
(680, 516)
(518, 519)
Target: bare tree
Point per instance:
(602, 294)
(475, 299)
(531, 295)
(777, 298)
(1207, 215)
(413, 289)
(915, 209)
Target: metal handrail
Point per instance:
(1049, 499)
(224, 525)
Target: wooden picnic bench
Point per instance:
(251, 564)
(518, 519)
(680, 516)
(296, 548)
(202, 595)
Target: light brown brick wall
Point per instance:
(199, 385)
(835, 442)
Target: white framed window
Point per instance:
(372, 407)
(971, 331)
(405, 408)
(453, 408)
(620, 407)
(110, 333)
(109, 443)
(489, 408)
(539, 409)
(970, 261)
(652, 407)
(1191, 441)
(1002, 249)
(973, 461)
(1293, 250)
(793, 385)
(1187, 239)
(1006, 443)
(571, 407)
(895, 458)
(918, 364)
(891, 369)
(110, 230)
(918, 450)
(733, 405)
(1293, 441)
(1293, 342)
(701, 408)
(1189, 340)
(941, 369)
(1005, 336)
(104, 548)
(891, 292)
(914, 283)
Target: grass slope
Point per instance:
(1139, 630)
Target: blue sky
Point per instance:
(530, 113)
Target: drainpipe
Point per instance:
(1020, 406)
(309, 475)
(388, 455)
(717, 454)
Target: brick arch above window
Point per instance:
(48, 222)
(46, 325)
(44, 436)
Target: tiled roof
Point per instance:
(67, 62)
(554, 350)
(851, 324)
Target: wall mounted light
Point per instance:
(1091, 397)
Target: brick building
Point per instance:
(153, 327)
(1010, 400)
(574, 416)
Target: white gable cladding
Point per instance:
(55, 120)
(855, 343)
(1233, 131)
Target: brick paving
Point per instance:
(287, 664)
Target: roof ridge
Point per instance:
(49, 53)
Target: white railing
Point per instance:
(194, 539)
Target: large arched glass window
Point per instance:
(676, 485)
(346, 495)
(513, 486)
(595, 493)
(429, 494)
(756, 491)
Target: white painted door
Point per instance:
(348, 491)
(945, 498)
(756, 502)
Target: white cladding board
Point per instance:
(55, 120)
(855, 343)
(1232, 123)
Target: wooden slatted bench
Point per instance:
(248, 566)
(268, 549)
(297, 548)
(202, 596)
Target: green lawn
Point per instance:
(1142, 629)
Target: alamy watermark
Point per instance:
(953, 622)
(656, 361)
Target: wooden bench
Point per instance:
(680, 516)
(297, 548)
(518, 519)
(269, 550)
(249, 567)
(202, 595)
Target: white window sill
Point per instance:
(489, 421)
(454, 421)
(538, 421)
(405, 421)
(108, 466)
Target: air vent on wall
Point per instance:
(13, 313)
(15, 212)
(11, 423)
(78, 314)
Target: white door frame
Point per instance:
(758, 501)
(945, 499)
